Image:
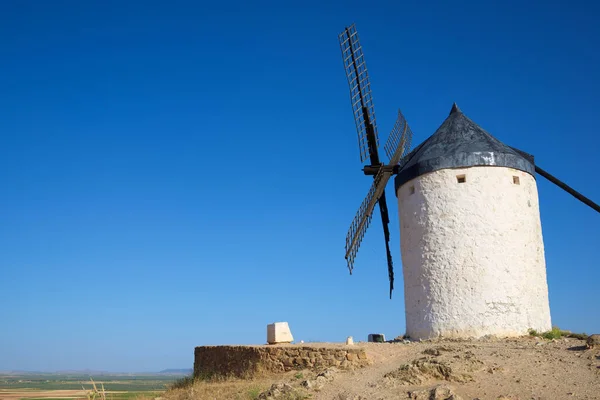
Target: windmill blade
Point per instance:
(385, 222)
(568, 189)
(362, 219)
(360, 92)
(398, 143)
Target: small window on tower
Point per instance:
(516, 180)
(461, 178)
(411, 190)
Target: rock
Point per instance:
(307, 384)
(328, 374)
(432, 351)
(301, 361)
(420, 371)
(444, 392)
(349, 341)
(347, 396)
(593, 341)
(277, 390)
(441, 392)
(320, 381)
(419, 394)
(287, 362)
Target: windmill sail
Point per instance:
(568, 189)
(360, 93)
(400, 138)
(400, 141)
(368, 144)
(362, 219)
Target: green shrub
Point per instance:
(554, 333)
(557, 333)
(533, 332)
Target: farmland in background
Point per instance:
(74, 386)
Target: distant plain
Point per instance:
(15, 386)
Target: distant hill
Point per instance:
(20, 372)
(88, 372)
(173, 371)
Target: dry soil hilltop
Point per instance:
(522, 368)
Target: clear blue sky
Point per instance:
(183, 173)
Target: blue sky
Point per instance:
(178, 173)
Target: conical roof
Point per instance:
(460, 142)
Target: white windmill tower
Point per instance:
(471, 236)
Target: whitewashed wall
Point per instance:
(473, 254)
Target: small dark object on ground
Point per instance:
(377, 338)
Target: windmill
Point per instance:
(458, 192)
(396, 147)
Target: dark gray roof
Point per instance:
(460, 142)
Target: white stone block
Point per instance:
(279, 332)
(349, 340)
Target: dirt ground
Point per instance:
(524, 368)
(521, 368)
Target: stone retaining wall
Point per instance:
(248, 361)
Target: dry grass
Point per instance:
(230, 389)
(95, 393)
(220, 388)
(99, 393)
